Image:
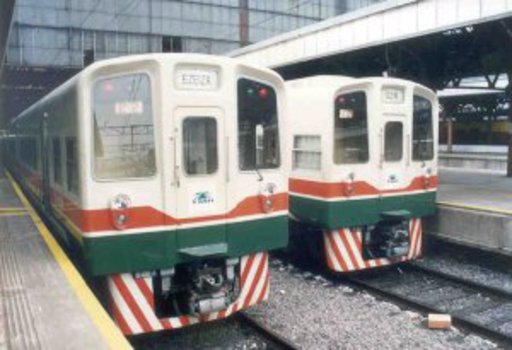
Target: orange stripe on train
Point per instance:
(360, 188)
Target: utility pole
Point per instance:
(244, 22)
(509, 97)
(506, 51)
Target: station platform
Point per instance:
(474, 209)
(44, 302)
(465, 160)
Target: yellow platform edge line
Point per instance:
(111, 333)
(11, 209)
(13, 213)
(476, 207)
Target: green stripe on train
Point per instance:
(160, 250)
(357, 212)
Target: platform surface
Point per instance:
(474, 209)
(486, 190)
(39, 307)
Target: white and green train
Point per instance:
(166, 174)
(364, 169)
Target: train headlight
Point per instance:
(119, 207)
(348, 187)
(267, 197)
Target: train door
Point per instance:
(394, 157)
(200, 173)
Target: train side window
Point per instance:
(351, 129)
(23, 143)
(258, 131)
(57, 160)
(422, 131)
(307, 152)
(35, 150)
(71, 165)
(124, 144)
(200, 145)
(29, 151)
(393, 141)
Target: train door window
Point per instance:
(307, 153)
(71, 165)
(422, 131)
(57, 160)
(351, 129)
(200, 145)
(124, 144)
(393, 141)
(258, 132)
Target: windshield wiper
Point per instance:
(260, 177)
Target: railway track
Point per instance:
(240, 331)
(479, 308)
(276, 341)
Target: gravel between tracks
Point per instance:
(469, 270)
(317, 314)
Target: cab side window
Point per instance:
(422, 130)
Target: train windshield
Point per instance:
(124, 145)
(422, 133)
(258, 133)
(351, 129)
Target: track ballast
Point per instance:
(482, 309)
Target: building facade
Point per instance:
(73, 33)
(50, 40)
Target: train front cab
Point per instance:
(224, 198)
(363, 167)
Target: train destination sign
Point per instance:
(128, 107)
(346, 114)
(392, 95)
(196, 79)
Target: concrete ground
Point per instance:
(475, 188)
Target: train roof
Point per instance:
(337, 81)
(155, 57)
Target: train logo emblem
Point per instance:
(203, 197)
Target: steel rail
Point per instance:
(457, 318)
(502, 293)
(266, 332)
